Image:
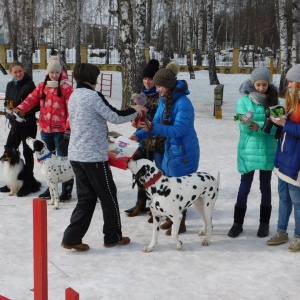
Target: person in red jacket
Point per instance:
(52, 95)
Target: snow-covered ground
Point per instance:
(241, 268)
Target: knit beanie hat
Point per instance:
(261, 73)
(151, 69)
(293, 73)
(167, 77)
(54, 64)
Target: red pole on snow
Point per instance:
(40, 252)
(71, 294)
(3, 298)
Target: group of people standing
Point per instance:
(167, 136)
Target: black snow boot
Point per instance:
(66, 193)
(237, 227)
(265, 214)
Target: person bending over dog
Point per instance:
(89, 112)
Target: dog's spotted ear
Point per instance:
(38, 145)
(139, 176)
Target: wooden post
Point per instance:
(218, 101)
(43, 56)
(3, 58)
(84, 53)
(235, 61)
(147, 54)
(40, 252)
(70, 294)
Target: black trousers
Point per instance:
(17, 134)
(94, 180)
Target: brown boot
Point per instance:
(182, 228)
(167, 225)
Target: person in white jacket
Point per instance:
(89, 112)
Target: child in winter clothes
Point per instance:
(153, 147)
(52, 95)
(287, 163)
(256, 149)
(89, 112)
(16, 91)
(173, 119)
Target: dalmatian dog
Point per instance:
(55, 168)
(169, 196)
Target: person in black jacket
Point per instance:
(17, 90)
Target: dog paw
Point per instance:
(179, 245)
(205, 243)
(201, 233)
(55, 208)
(147, 249)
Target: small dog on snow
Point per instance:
(15, 172)
(171, 195)
(55, 168)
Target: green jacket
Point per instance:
(256, 149)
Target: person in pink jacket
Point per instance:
(52, 95)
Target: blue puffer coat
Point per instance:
(182, 150)
(256, 149)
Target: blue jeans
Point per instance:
(264, 185)
(289, 195)
(52, 141)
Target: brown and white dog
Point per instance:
(55, 168)
(171, 195)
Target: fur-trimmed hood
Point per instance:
(247, 87)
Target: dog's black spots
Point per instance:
(190, 175)
(179, 180)
(180, 208)
(157, 228)
(187, 204)
(157, 218)
(164, 191)
(194, 197)
(213, 197)
(157, 203)
(153, 190)
(208, 177)
(203, 193)
(161, 210)
(181, 198)
(152, 170)
(211, 189)
(177, 196)
(165, 180)
(170, 216)
(207, 204)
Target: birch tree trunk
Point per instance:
(78, 31)
(127, 53)
(28, 39)
(213, 79)
(168, 51)
(109, 30)
(62, 32)
(140, 59)
(188, 36)
(200, 33)
(148, 21)
(284, 55)
(295, 40)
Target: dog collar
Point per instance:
(153, 180)
(44, 157)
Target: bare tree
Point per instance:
(28, 39)
(200, 32)
(13, 25)
(127, 53)
(148, 21)
(213, 79)
(78, 31)
(168, 51)
(283, 45)
(295, 40)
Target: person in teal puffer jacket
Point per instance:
(256, 149)
(174, 119)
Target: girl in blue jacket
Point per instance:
(174, 119)
(256, 149)
(287, 164)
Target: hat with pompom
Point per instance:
(167, 77)
(54, 64)
(150, 70)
